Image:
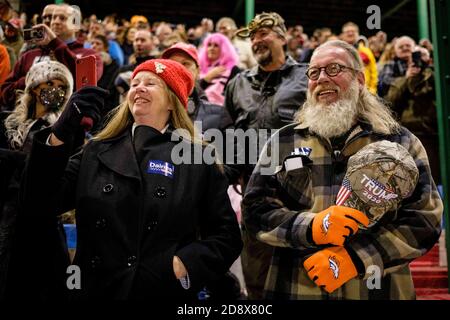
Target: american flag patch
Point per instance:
(302, 151)
(344, 192)
(382, 186)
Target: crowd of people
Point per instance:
(149, 227)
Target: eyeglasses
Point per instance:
(332, 70)
(47, 17)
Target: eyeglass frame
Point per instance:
(341, 68)
(47, 16)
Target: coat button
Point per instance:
(95, 262)
(100, 223)
(131, 261)
(160, 192)
(152, 225)
(108, 188)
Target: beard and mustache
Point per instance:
(331, 120)
(262, 54)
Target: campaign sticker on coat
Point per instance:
(160, 167)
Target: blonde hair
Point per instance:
(388, 54)
(120, 118)
(20, 121)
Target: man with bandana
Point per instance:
(322, 250)
(58, 44)
(267, 95)
(263, 97)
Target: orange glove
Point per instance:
(330, 268)
(335, 224)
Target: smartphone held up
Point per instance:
(86, 72)
(34, 34)
(417, 59)
(86, 75)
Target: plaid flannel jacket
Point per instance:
(391, 70)
(279, 207)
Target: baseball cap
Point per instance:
(188, 49)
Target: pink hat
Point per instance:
(188, 49)
(174, 74)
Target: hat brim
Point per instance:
(170, 51)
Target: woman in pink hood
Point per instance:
(218, 64)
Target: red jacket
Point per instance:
(56, 49)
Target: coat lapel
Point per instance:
(118, 155)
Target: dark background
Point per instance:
(311, 14)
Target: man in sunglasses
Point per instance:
(263, 97)
(321, 248)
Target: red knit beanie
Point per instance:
(174, 74)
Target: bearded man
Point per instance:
(267, 95)
(263, 97)
(324, 251)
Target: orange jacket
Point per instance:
(5, 67)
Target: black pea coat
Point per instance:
(130, 223)
(32, 262)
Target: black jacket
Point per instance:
(110, 72)
(33, 262)
(131, 223)
(212, 116)
(260, 100)
(263, 100)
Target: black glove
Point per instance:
(85, 103)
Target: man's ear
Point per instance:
(361, 79)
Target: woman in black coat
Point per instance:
(148, 225)
(48, 86)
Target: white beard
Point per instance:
(334, 119)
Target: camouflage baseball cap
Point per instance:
(270, 20)
(378, 178)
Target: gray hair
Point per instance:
(352, 52)
(370, 108)
(226, 20)
(373, 111)
(404, 38)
